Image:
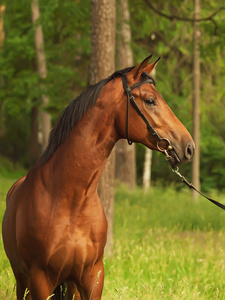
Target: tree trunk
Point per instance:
(125, 154)
(2, 33)
(2, 37)
(196, 100)
(42, 69)
(125, 54)
(102, 64)
(147, 170)
(34, 146)
(146, 179)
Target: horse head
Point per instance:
(149, 120)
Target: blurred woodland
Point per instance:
(161, 28)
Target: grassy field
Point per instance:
(166, 246)
(7, 283)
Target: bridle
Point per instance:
(131, 99)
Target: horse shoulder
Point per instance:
(15, 186)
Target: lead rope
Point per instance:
(190, 185)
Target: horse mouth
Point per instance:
(174, 155)
(175, 158)
(168, 150)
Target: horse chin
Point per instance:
(175, 159)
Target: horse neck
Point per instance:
(77, 164)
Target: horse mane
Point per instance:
(73, 113)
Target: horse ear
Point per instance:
(138, 70)
(150, 67)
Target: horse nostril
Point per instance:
(189, 151)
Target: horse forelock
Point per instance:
(73, 113)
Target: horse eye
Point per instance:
(150, 102)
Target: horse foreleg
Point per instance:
(40, 287)
(93, 280)
(22, 289)
(72, 291)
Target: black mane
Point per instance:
(73, 113)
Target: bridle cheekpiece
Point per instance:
(131, 99)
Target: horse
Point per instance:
(54, 227)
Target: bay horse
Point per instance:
(54, 226)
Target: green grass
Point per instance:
(10, 170)
(166, 246)
(7, 282)
(167, 265)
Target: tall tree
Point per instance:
(196, 99)
(147, 170)
(34, 144)
(2, 37)
(146, 181)
(42, 69)
(2, 33)
(125, 154)
(102, 64)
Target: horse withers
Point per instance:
(54, 227)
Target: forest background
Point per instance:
(66, 28)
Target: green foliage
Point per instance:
(10, 170)
(67, 50)
(66, 29)
(172, 40)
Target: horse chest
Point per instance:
(74, 254)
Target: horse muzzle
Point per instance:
(173, 156)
